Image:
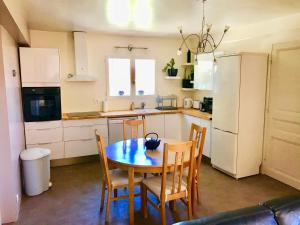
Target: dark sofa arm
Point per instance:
(258, 215)
(286, 210)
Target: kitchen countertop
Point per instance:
(137, 112)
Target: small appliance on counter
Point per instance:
(196, 104)
(207, 104)
(166, 102)
(187, 103)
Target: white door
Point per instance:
(282, 137)
(226, 93)
(224, 150)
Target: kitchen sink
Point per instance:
(146, 111)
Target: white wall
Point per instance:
(12, 130)
(84, 96)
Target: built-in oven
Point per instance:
(41, 103)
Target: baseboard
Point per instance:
(291, 181)
(74, 160)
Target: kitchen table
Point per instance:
(131, 155)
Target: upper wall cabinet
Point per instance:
(203, 72)
(39, 67)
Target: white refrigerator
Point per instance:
(238, 113)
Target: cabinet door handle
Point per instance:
(87, 140)
(45, 143)
(86, 126)
(46, 128)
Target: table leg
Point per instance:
(131, 195)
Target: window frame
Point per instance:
(132, 78)
(107, 77)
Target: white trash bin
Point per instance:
(36, 170)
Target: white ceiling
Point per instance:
(151, 17)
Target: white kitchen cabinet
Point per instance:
(186, 127)
(79, 136)
(173, 126)
(203, 72)
(42, 136)
(48, 134)
(56, 148)
(39, 67)
(43, 132)
(156, 124)
(82, 147)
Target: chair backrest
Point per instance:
(103, 158)
(181, 152)
(134, 128)
(197, 134)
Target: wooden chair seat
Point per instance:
(119, 178)
(154, 186)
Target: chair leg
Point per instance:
(198, 192)
(144, 200)
(115, 193)
(189, 206)
(198, 187)
(108, 206)
(102, 196)
(172, 205)
(163, 213)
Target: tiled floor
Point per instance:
(74, 198)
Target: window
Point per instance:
(144, 77)
(119, 77)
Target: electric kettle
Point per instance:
(187, 103)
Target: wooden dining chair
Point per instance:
(197, 134)
(133, 125)
(112, 179)
(171, 185)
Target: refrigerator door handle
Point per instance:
(227, 131)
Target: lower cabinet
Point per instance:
(173, 125)
(48, 134)
(81, 148)
(186, 126)
(156, 124)
(56, 148)
(79, 136)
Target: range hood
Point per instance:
(81, 60)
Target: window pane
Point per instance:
(119, 77)
(144, 77)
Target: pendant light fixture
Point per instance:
(205, 41)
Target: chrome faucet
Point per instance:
(143, 104)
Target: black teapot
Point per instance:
(152, 143)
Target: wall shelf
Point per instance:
(172, 78)
(187, 64)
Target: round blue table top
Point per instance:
(133, 152)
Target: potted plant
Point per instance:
(188, 77)
(170, 68)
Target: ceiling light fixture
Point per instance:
(205, 41)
